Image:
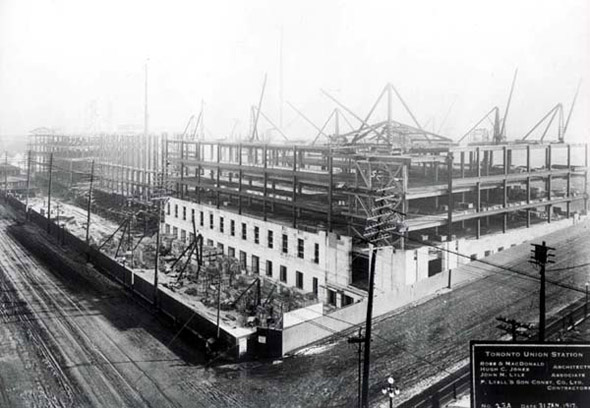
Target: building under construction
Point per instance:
(305, 215)
(124, 166)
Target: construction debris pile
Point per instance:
(244, 300)
(247, 300)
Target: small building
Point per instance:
(8, 170)
(12, 180)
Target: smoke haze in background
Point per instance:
(79, 65)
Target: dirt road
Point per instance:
(70, 341)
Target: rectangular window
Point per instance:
(183, 213)
(347, 300)
(268, 268)
(316, 253)
(255, 264)
(434, 266)
(193, 214)
(299, 280)
(221, 226)
(283, 274)
(211, 221)
(331, 297)
(285, 244)
(300, 248)
(175, 232)
(183, 235)
(473, 257)
(270, 239)
(231, 252)
(315, 286)
(232, 228)
(167, 228)
(168, 209)
(243, 259)
(175, 210)
(201, 218)
(244, 231)
(220, 247)
(256, 235)
(210, 243)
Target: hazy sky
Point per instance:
(59, 58)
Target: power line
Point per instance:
(520, 273)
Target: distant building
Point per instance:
(11, 179)
(124, 164)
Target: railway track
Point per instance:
(413, 345)
(458, 383)
(81, 330)
(75, 343)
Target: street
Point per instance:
(78, 340)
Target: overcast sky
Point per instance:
(60, 61)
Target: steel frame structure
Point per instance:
(337, 188)
(125, 164)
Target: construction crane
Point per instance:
(256, 114)
(195, 247)
(499, 125)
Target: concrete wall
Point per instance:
(493, 243)
(303, 334)
(390, 291)
(334, 250)
(302, 315)
(396, 267)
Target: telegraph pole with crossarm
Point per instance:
(540, 257)
(359, 340)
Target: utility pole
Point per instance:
(89, 204)
(157, 252)
(130, 243)
(28, 184)
(359, 339)
(5, 175)
(586, 303)
(49, 194)
(540, 258)
(281, 99)
(57, 222)
(161, 193)
(145, 113)
(367, 361)
(218, 304)
(385, 219)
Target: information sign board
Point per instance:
(530, 375)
